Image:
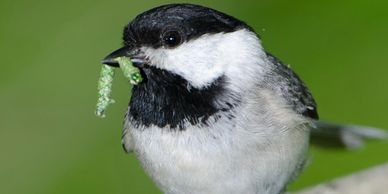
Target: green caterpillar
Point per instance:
(105, 82)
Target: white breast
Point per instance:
(252, 153)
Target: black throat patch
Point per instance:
(164, 99)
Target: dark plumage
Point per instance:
(292, 88)
(165, 99)
(191, 21)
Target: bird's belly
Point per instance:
(203, 162)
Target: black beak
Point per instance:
(111, 58)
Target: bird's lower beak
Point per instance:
(111, 59)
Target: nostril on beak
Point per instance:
(138, 62)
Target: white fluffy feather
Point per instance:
(210, 56)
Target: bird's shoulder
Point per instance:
(288, 85)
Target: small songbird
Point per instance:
(216, 113)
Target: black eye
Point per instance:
(172, 39)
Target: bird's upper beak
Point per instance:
(125, 51)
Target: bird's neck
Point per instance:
(165, 100)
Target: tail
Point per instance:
(327, 134)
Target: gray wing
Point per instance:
(292, 88)
(324, 134)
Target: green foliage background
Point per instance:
(50, 51)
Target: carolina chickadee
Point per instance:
(216, 113)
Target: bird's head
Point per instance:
(198, 44)
(188, 54)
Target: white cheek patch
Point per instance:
(203, 60)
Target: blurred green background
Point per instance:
(51, 141)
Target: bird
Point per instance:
(216, 113)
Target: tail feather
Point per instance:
(327, 134)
